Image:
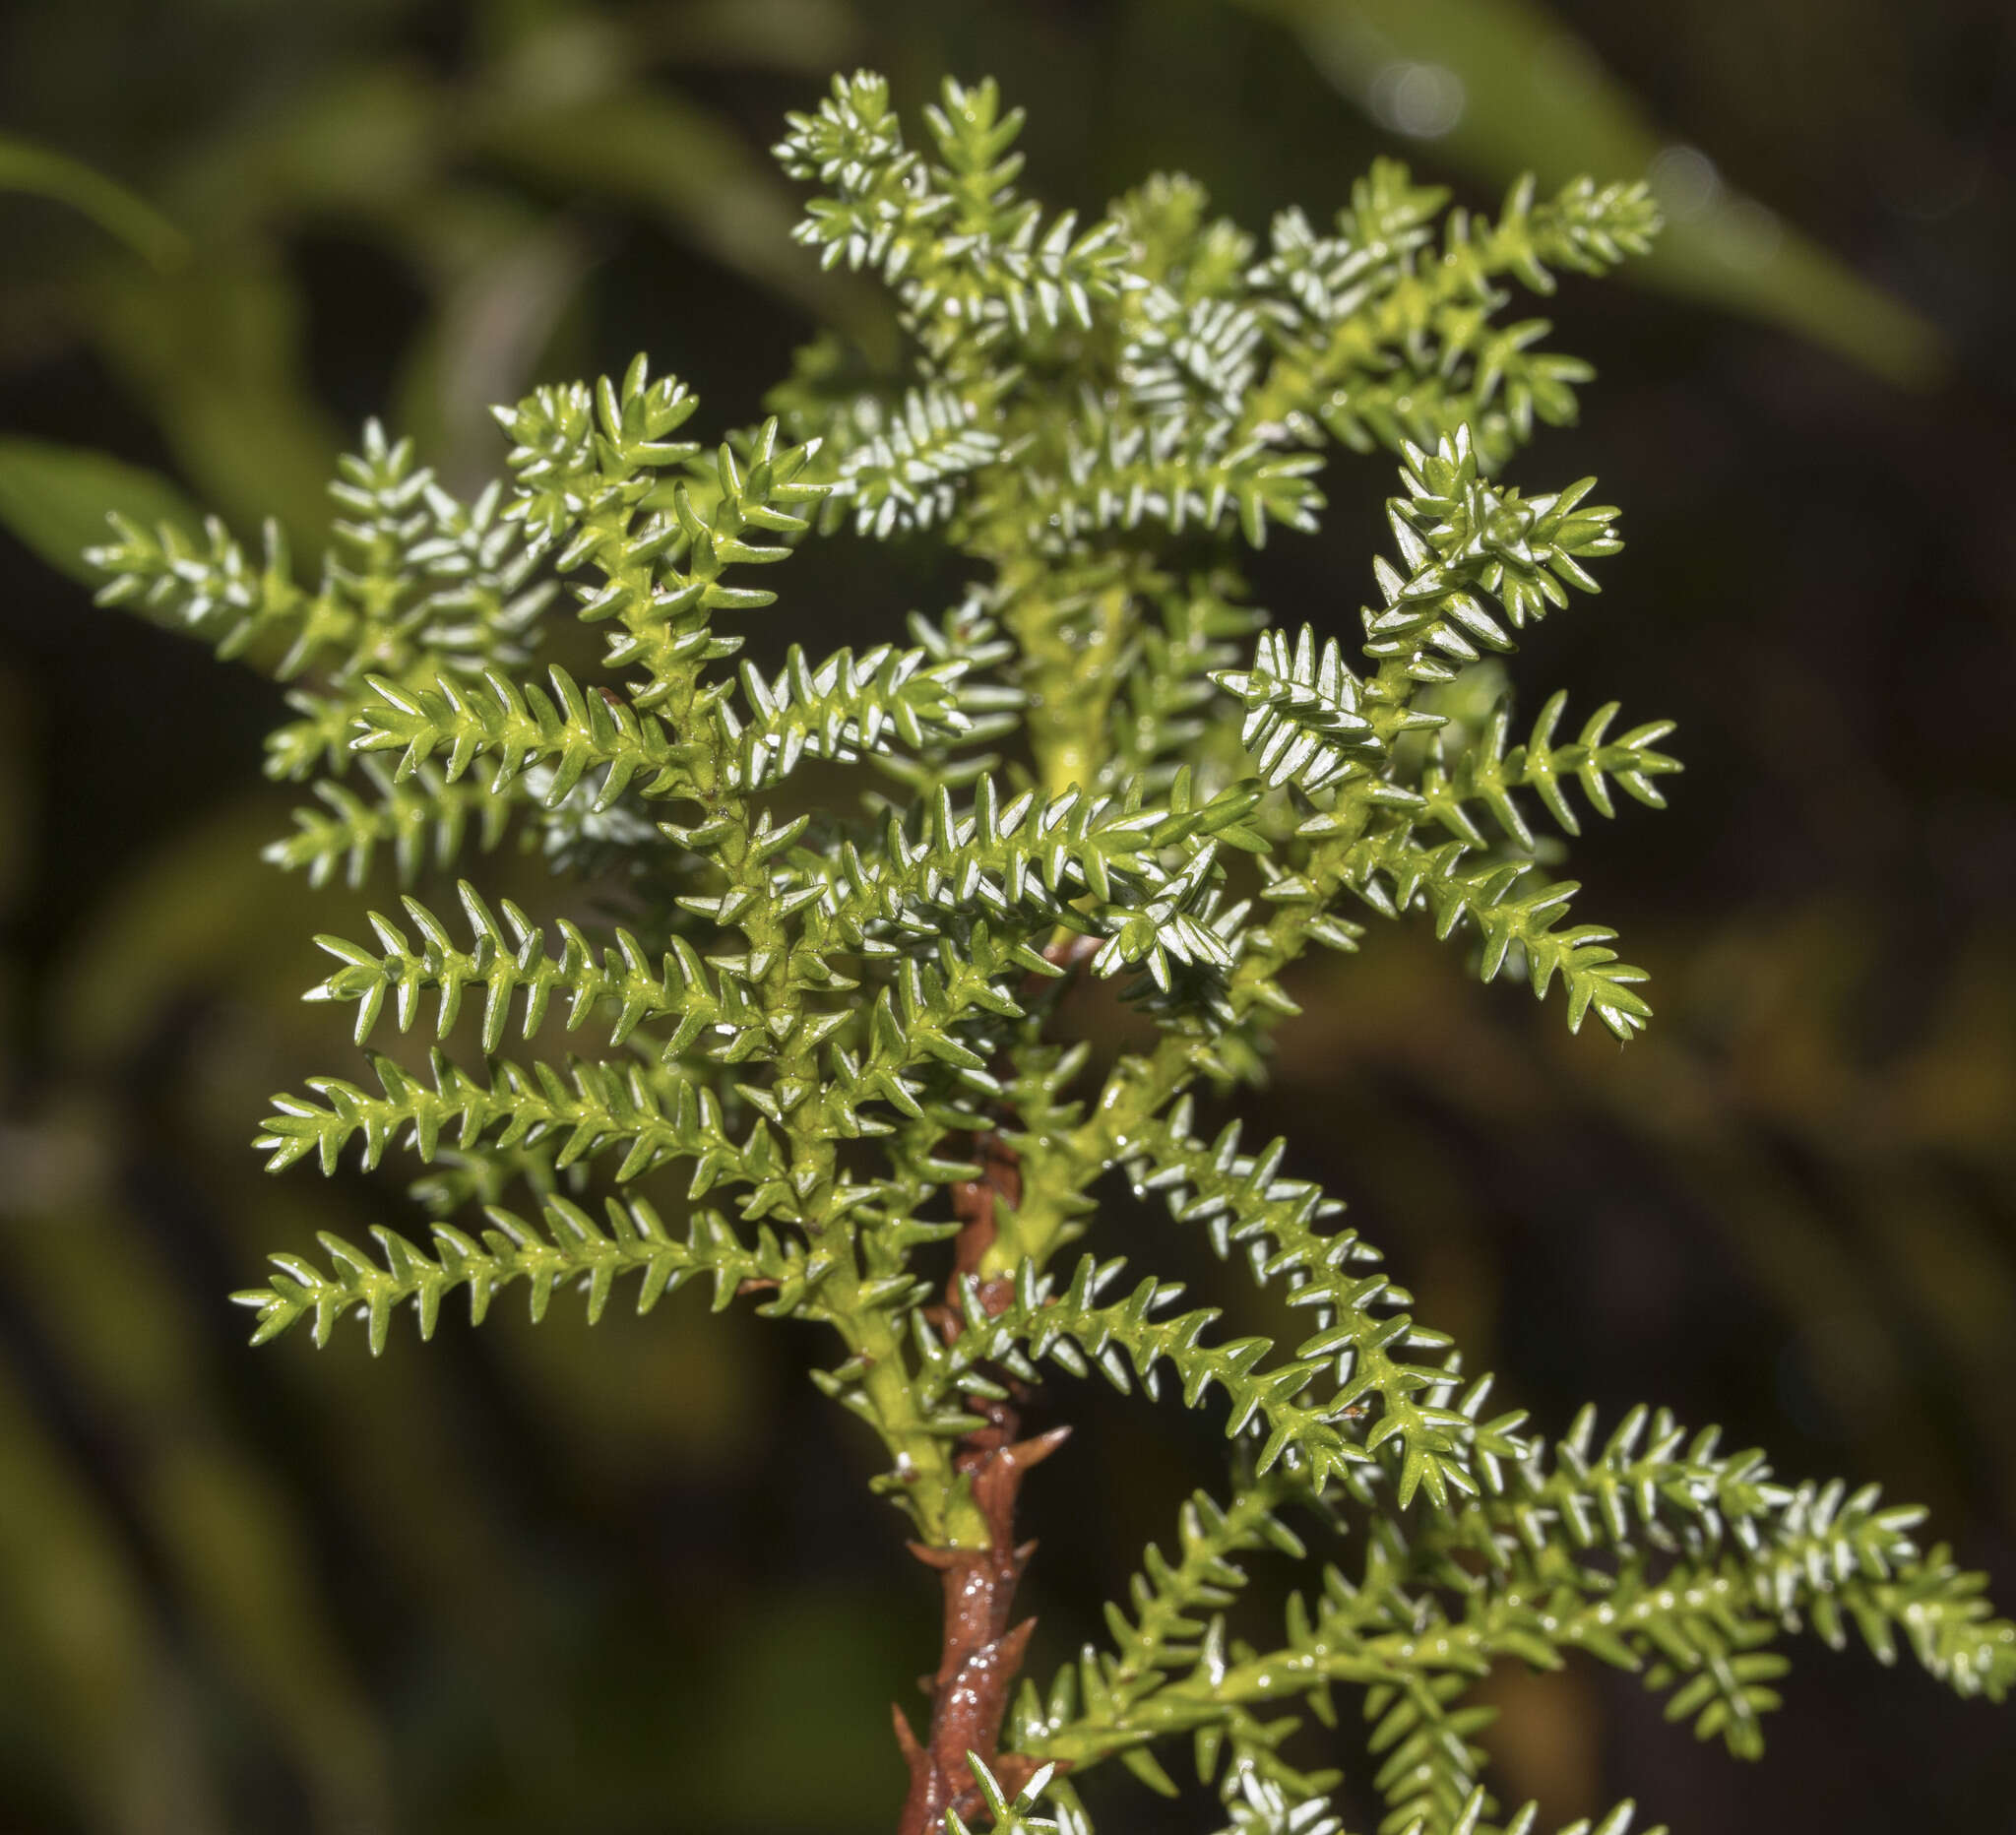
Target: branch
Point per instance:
(1243, 1202)
(1509, 904)
(1484, 771)
(980, 1652)
(572, 1248)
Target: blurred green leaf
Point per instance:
(354, 142)
(56, 498)
(1500, 86)
(43, 172)
(813, 36)
(203, 908)
(215, 352)
(691, 169)
(226, 1529)
(18, 735)
(512, 281)
(820, 1663)
(79, 1654)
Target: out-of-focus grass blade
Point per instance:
(512, 281)
(231, 1545)
(82, 1660)
(817, 37)
(17, 787)
(43, 172)
(216, 353)
(56, 498)
(692, 169)
(202, 910)
(1500, 86)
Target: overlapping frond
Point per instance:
(906, 469)
(413, 576)
(973, 264)
(1313, 724)
(423, 821)
(1117, 472)
(1286, 1406)
(1422, 1739)
(1380, 338)
(837, 709)
(1305, 723)
(1112, 868)
(512, 961)
(1244, 1204)
(1175, 1610)
(1169, 680)
(1468, 544)
(591, 465)
(1781, 1554)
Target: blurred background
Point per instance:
(523, 1581)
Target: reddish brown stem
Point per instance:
(980, 1654)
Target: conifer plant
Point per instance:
(814, 1046)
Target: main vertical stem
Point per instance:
(980, 1652)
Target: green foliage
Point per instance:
(56, 498)
(42, 171)
(838, 1019)
(1383, 338)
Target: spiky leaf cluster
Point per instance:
(833, 1006)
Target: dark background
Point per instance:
(525, 1581)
